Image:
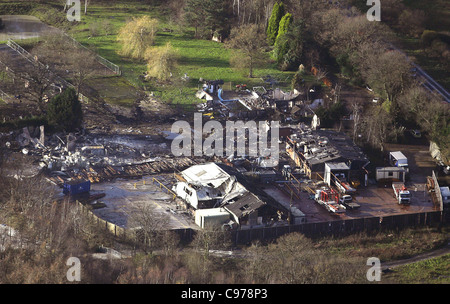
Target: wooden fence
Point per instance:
(108, 226)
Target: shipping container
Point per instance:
(77, 187)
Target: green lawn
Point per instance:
(432, 271)
(197, 58)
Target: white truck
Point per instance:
(398, 159)
(346, 201)
(401, 193)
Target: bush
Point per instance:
(428, 37)
(16, 8)
(64, 111)
(136, 36)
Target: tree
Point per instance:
(249, 41)
(389, 73)
(37, 81)
(64, 111)
(411, 22)
(208, 17)
(274, 21)
(136, 36)
(217, 17)
(194, 14)
(86, 4)
(281, 46)
(148, 224)
(161, 61)
(82, 65)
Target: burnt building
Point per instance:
(312, 149)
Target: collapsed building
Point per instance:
(217, 197)
(243, 103)
(311, 150)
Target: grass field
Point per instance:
(432, 271)
(198, 58)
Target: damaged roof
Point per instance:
(245, 205)
(206, 174)
(320, 146)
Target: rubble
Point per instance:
(78, 156)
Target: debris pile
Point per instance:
(79, 156)
(100, 174)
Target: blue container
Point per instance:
(77, 187)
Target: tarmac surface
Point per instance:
(374, 201)
(124, 196)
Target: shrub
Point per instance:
(428, 37)
(162, 61)
(64, 111)
(136, 36)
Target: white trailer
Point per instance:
(398, 159)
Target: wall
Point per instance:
(342, 227)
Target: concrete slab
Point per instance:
(122, 197)
(374, 201)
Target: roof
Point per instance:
(212, 212)
(337, 166)
(324, 146)
(245, 205)
(445, 191)
(390, 169)
(205, 174)
(398, 155)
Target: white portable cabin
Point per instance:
(391, 174)
(211, 217)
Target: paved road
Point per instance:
(431, 85)
(428, 82)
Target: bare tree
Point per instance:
(148, 224)
(249, 41)
(357, 113)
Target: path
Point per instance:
(421, 257)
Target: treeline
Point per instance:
(305, 35)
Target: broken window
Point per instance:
(187, 191)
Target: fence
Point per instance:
(437, 191)
(105, 62)
(12, 44)
(341, 227)
(5, 97)
(110, 227)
